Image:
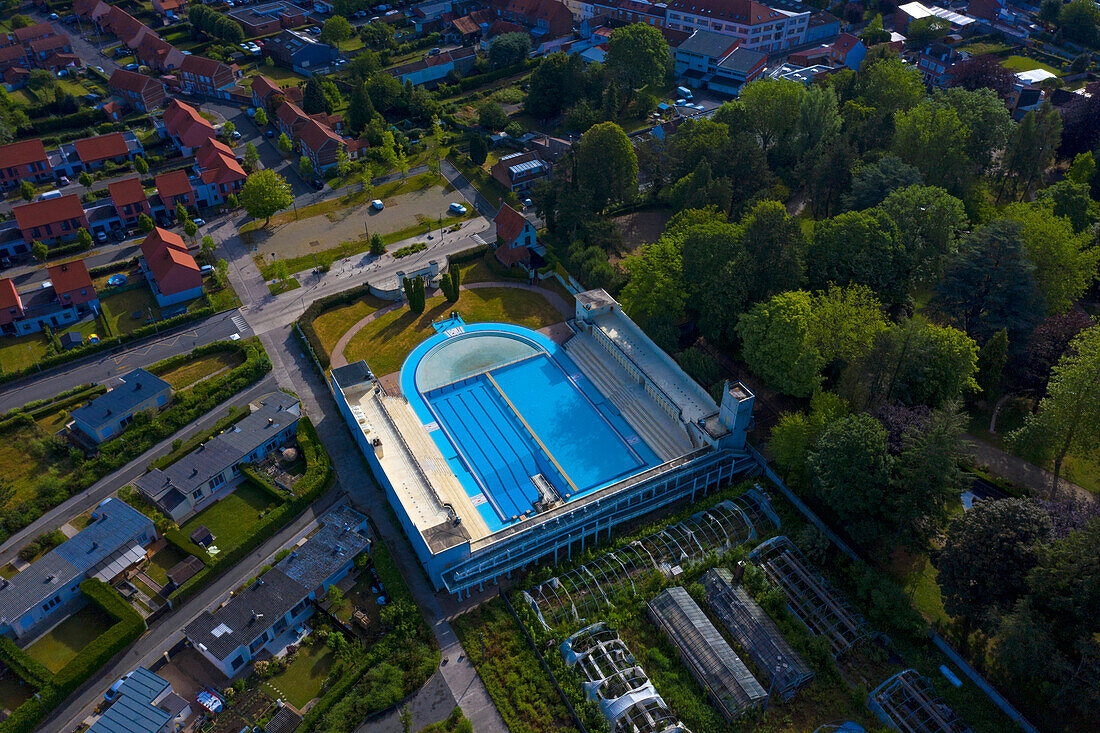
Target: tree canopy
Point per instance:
(264, 194)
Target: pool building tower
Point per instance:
(505, 448)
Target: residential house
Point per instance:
(320, 144)
(186, 127)
(995, 16)
(263, 20)
(433, 69)
(848, 50)
(213, 470)
(175, 188)
(43, 48)
(73, 285)
(296, 51)
(58, 61)
(128, 196)
(909, 12)
(159, 54)
(822, 26)
(13, 56)
(518, 171)
(127, 28)
(50, 220)
(24, 161)
(709, 60)
(265, 615)
(935, 63)
(266, 94)
(171, 271)
(11, 306)
(515, 236)
(544, 18)
(92, 153)
(469, 28)
(48, 589)
(289, 118)
(143, 703)
(207, 77)
(220, 174)
(141, 92)
(28, 34)
(108, 415)
(755, 25)
(15, 77)
(171, 9)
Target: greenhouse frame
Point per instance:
(611, 677)
(756, 633)
(906, 702)
(587, 591)
(809, 596)
(707, 655)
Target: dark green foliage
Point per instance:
(873, 182)
(41, 544)
(991, 363)
(508, 49)
(479, 151)
(414, 293)
(212, 23)
(26, 667)
(860, 247)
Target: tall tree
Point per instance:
(992, 358)
(637, 56)
(983, 72)
(508, 49)
(656, 285)
(777, 342)
(987, 122)
(1032, 149)
(931, 137)
(929, 221)
(265, 193)
(991, 285)
(775, 249)
(606, 166)
(1065, 262)
(986, 556)
(859, 247)
(873, 182)
(773, 109)
(360, 108)
(1068, 418)
(713, 258)
(336, 30)
(313, 97)
(479, 151)
(1046, 345)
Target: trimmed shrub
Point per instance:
(29, 669)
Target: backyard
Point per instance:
(301, 681)
(162, 561)
(59, 645)
(387, 340)
(29, 456)
(20, 352)
(129, 309)
(231, 520)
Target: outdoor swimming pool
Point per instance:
(516, 408)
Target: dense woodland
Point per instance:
(889, 259)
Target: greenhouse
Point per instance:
(711, 660)
(809, 596)
(587, 591)
(613, 680)
(907, 702)
(757, 634)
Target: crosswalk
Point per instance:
(239, 322)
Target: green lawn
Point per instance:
(301, 681)
(62, 643)
(282, 286)
(232, 518)
(220, 298)
(130, 309)
(917, 577)
(162, 561)
(387, 340)
(19, 352)
(333, 324)
(192, 371)
(1024, 63)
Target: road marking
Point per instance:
(240, 323)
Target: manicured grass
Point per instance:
(282, 286)
(19, 352)
(162, 561)
(301, 681)
(982, 47)
(387, 340)
(27, 458)
(333, 324)
(130, 309)
(61, 644)
(1023, 63)
(476, 272)
(190, 372)
(232, 518)
(53, 421)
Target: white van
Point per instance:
(684, 92)
(46, 196)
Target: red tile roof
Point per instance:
(173, 184)
(12, 52)
(314, 135)
(30, 32)
(40, 213)
(49, 43)
(162, 238)
(510, 223)
(219, 163)
(201, 66)
(184, 122)
(173, 268)
(129, 81)
(69, 277)
(111, 145)
(846, 42)
(127, 191)
(22, 153)
(262, 86)
(8, 297)
(289, 112)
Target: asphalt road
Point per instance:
(103, 366)
(111, 483)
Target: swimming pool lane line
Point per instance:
(531, 432)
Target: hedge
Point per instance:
(307, 489)
(113, 267)
(139, 333)
(473, 82)
(183, 543)
(260, 482)
(319, 306)
(128, 627)
(29, 669)
(31, 406)
(467, 255)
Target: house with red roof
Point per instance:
(140, 92)
(204, 76)
(27, 34)
(433, 69)
(220, 174)
(545, 18)
(159, 54)
(12, 56)
(175, 188)
(50, 220)
(289, 118)
(58, 61)
(73, 285)
(847, 50)
(24, 161)
(11, 306)
(515, 236)
(15, 77)
(172, 272)
(93, 153)
(320, 144)
(186, 127)
(170, 8)
(128, 196)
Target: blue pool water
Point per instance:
(528, 411)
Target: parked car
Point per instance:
(63, 180)
(100, 70)
(101, 237)
(457, 208)
(131, 67)
(199, 222)
(269, 132)
(236, 135)
(54, 16)
(377, 205)
(112, 692)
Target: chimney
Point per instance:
(270, 421)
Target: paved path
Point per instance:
(338, 359)
(1022, 473)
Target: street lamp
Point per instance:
(35, 357)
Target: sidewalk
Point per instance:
(1020, 472)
